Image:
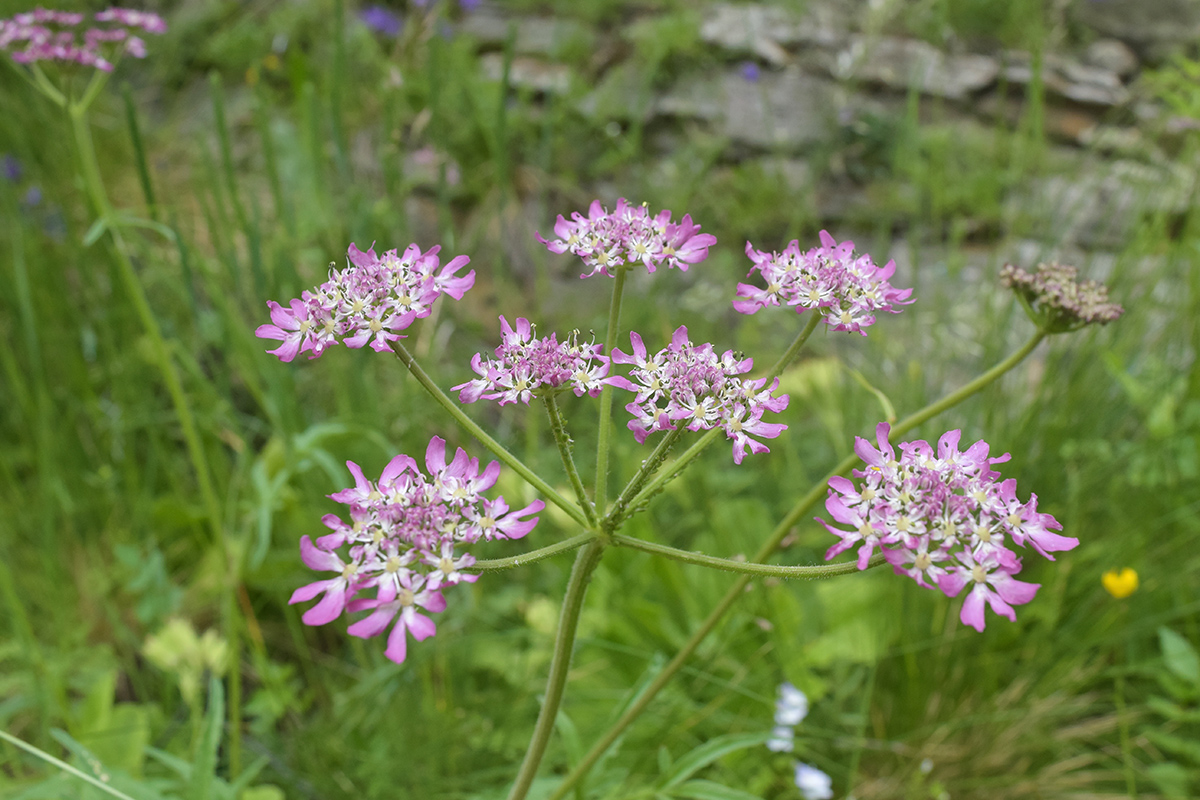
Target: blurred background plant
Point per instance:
(264, 138)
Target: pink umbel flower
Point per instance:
(48, 35)
(369, 302)
(942, 518)
(847, 290)
(526, 365)
(404, 541)
(690, 385)
(628, 235)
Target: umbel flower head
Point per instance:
(55, 36)
(404, 541)
(526, 365)
(1057, 300)
(370, 301)
(693, 386)
(847, 290)
(628, 235)
(943, 519)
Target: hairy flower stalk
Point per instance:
(629, 235)
(402, 540)
(845, 289)
(370, 301)
(941, 518)
(690, 385)
(46, 35)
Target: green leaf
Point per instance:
(204, 767)
(708, 790)
(95, 232)
(1171, 779)
(709, 752)
(1179, 656)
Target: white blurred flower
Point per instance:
(782, 739)
(791, 707)
(812, 783)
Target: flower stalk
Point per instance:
(563, 440)
(606, 396)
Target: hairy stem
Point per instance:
(802, 507)
(491, 444)
(556, 683)
(533, 556)
(814, 572)
(649, 466)
(561, 438)
(605, 427)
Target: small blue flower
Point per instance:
(382, 20)
(32, 197)
(11, 168)
(750, 71)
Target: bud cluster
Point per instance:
(53, 36)
(847, 290)
(690, 384)
(942, 519)
(629, 235)
(1056, 294)
(526, 365)
(372, 300)
(402, 541)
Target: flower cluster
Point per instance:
(1057, 295)
(52, 36)
(629, 235)
(942, 519)
(689, 383)
(372, 300)
(526, 365)
(847, 290)
(791, 707)
(402, 541)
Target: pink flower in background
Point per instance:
(403, 541)
(690, 385)
(54, 36)
(942, 518)
(526, 365)
(609, 240)
(369, 302)
(847, 290)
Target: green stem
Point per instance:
(677, 466)
(649, 466)
(64, 766)
(133, 285)
(533, 556)
(605, 429)
(479, 433)
(563, 440)
(564, 644)
(797, 344)
(744, 567)
(802, 507)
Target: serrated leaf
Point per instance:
(709, 790)
(709, 752)
(1179, 656)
